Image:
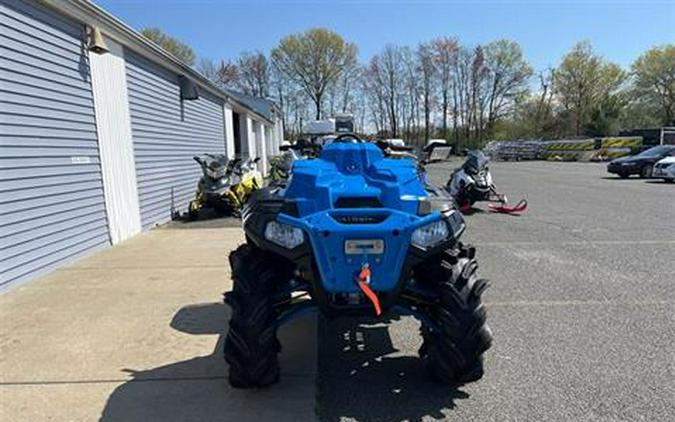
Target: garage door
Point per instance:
(51, 196)
(167, 133)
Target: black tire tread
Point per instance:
(251, 345)
(454, 354)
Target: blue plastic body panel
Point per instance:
(351, 170)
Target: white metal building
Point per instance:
(97, 144)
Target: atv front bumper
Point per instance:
(330, 265)
(342, 241)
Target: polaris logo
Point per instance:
(359, 219)
(364, 247)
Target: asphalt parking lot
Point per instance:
(581, 305)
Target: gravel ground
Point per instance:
(581, 304)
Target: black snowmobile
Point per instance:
(472, 183)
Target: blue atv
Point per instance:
(355, 233)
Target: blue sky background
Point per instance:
(619, 30)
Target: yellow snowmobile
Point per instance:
(225, 185)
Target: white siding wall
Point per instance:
(167, 133)
(53, 205)
(51, 198)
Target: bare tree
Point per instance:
(544, 109)
(391, 79)
(373, 87)
(386, 85)
(445, 51)
(410, 96)
(208, 69)
(228, 74)
(428, 74)
(224, 75)
(254, 77)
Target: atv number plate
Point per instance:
(364, 247)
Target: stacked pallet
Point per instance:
(598, 149)
(514, 150)
(566, 149)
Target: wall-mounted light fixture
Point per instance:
(188, 89)
(95, 42)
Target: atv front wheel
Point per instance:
(454, 352)
(251, 345)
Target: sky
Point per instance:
(546, 29)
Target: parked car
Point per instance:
(665, 169)
(642, 163)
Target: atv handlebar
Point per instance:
(342, 138)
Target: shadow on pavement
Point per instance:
(361, 378)
(623, 179)
(653, 181)
(659, 182)
(197, 389)
(473, 210)
(209, 218)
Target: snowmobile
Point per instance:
(354, 233)
(472, 183)
(225, 185)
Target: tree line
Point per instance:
(443, 89)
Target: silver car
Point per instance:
(665, 169)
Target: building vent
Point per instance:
(188, 89)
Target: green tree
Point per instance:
(182, 51)
(654, 82)
(314, 60)
(590, 89)
(507, 79)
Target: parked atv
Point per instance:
(392, 150)
(225, 185)
(355, 233)
(472, 183)
(281, 165)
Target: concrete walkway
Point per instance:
(135, 334)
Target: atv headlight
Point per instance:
(284, 235)
(430, 234)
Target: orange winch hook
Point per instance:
(364, 281)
